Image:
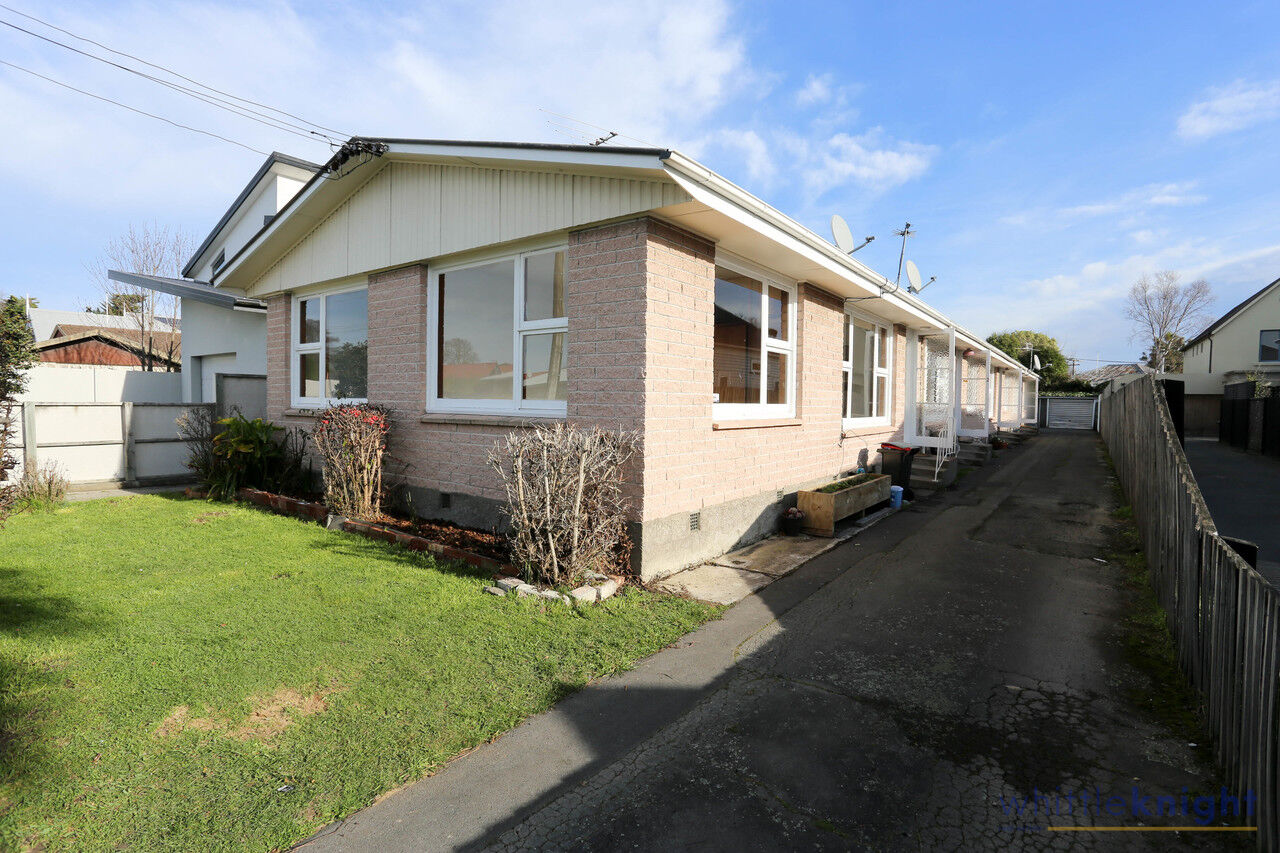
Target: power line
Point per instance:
(169, 71)
(235, 109)
(597, 127)
(133, 109)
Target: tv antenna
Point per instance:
(904, 232)
(844, 237)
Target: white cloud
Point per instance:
(816, 90)
(1231, 108)
(871, 161)
(1132, 205)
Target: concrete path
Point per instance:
(900, 692)
(1243, 493)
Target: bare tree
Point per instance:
(147, 250)
(1162, 308)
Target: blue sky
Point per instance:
(1046, 154)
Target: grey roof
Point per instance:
(272, 159)
(533, 146)
(45, 320)
(1227, 317)
(200, 291)
(1107, 372)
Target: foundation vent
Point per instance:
(780, 494)
(695, 521)
(446, 500)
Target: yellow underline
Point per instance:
(1152, 828)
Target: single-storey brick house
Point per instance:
(476, 288)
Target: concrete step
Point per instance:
(922, 473)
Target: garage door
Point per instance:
(210, 367)
(1070, 412)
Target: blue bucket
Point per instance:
(895, 497)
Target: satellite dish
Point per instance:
(913, 276)
(1035, 361)
(840, 231)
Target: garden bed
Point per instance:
(478, 548)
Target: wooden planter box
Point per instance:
(823, 509)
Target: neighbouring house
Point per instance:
(478, 288)
(44, 322)
(1241, 343)
(224, 331)
(125, 347)
(1100, 376)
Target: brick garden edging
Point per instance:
(319, 513)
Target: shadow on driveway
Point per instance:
(918, 687)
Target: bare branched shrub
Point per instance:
(351, 441)
(8, 438)
(196, 429)
(564, 500)
(43, 487)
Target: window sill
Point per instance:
(302, 413)
(489, 420)
(856, 430)
(760, 423)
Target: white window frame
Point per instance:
(789, 347)
(522, 329)
(877, 370)
(296, 348)
(1260, 360)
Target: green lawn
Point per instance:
(168, 666)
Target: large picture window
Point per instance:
(330, 348)
(754, 362)
(867, 373)
(1269, 345)
(498, 332)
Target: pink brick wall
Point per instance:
(640, 314)
(690, 464)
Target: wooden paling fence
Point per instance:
(1224, 616)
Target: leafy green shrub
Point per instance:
(237, 452)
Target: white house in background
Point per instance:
(45, 322)
(1245, 340)
(225, 332)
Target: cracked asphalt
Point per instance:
(901, 692)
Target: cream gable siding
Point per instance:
(410, 212)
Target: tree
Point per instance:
(17, 355)
(147, 250)
(1166, 356)
(1161, 308)
(1023, 344)
(119, 304)
(459, 351)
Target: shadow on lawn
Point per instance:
(352, 545)
(27, 613)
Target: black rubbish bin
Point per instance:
(896, 462)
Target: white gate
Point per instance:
(974, 392)
(1010, 413)
(931, 412)
(1070, 412)
(1030, 385)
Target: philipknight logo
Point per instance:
(1044, 810)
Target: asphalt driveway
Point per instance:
(953, 678)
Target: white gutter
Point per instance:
(830, 256)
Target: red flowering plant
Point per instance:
(351, 440)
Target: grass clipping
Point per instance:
(565, 500)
